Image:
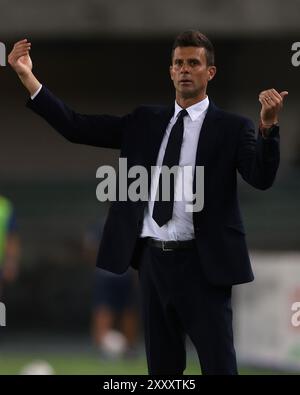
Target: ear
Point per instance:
(171, 72)
(212, 70)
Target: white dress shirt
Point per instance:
(180, 227)
(36, 92)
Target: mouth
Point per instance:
(185, 81)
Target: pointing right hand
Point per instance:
(19, 58)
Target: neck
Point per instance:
(185, 102)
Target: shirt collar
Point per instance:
(195, 110)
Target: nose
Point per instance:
(185, 67)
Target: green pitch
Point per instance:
(82, 364)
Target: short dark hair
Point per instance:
(194, 38)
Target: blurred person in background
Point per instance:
(115, 315)
(9, 244)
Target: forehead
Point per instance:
(189, 52)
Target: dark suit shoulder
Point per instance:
(147, 113)
(151, 109)
(236, 120)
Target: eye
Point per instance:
(194, 62)
(178, 62)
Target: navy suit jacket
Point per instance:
(227, 144)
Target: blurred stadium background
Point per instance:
(109, 57)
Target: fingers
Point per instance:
(271, 102)
(21, 41)
(264, 102)
(271, 98)
(267, 100)
(21, 48)
(275, 93)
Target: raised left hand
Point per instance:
(272, 103)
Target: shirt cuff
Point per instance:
(36, 93)
(266, 132)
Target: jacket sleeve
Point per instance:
(258, 158)
(97, 130)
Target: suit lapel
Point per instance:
(157, 131)
(209, 135)
(208, 138)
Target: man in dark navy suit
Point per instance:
(187, 261)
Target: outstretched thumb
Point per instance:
(283, 94)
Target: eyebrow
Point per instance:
(189, 59)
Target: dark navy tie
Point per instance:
(163, 210)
